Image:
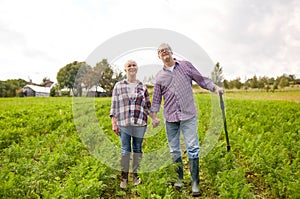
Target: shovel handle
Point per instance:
(224, 120)
(221, 101)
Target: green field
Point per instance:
(55, 147)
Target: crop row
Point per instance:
(64, 148)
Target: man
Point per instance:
(174, 84)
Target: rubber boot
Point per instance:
(124, 170)
(137, 157)
(179, 171)
(194, 169)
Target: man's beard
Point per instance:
(167, 58)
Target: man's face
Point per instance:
(164, 53)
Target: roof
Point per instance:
(39, 89)
(99, 89)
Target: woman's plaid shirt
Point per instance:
(130, 111)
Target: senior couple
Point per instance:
(131, 106)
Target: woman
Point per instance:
(129, 110)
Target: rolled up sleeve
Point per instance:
(156, 99)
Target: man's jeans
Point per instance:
(136, 133)
(189, 130)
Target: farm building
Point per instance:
(95, 91)
(37, 91)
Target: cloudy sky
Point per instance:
(247, 37)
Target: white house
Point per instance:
(95, 91)
(37, 91)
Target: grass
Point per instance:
(286, 94)
(263, 95)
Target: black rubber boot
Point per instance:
(179, 171)
(194, 169)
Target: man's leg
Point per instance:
(173, 135)
(189, 130)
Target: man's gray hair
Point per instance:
(164, 45)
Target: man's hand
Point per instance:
(219, 90)
(155, 122)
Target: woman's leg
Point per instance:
(125, 138)
(137, 142)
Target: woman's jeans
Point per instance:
(190, 134)
(136, 133)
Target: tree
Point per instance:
(283, 82)
(12, 87)
(89, 77)
(78, 75)
(226, 84)
(246, 85)
(237, 83)
(71, 76)
(54, 91)
(106, 77)
(262, 82)
(271, 81)
(254, 82)
(217, 75)
(292, 79)
(45, 80)
(275, 85)
(231, 84)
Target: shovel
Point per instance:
(224, 120)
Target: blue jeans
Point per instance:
(189, 130)
(136, 133)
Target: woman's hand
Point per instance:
(115, 126)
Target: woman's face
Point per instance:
(131, 68)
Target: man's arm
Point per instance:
(155, 120)
(156, 102)
(156, 98)
(204, 82)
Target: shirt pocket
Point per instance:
(140, 98)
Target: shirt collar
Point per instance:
(137, 81)
(176, 64)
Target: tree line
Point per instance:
(77, 77)
(264, 83)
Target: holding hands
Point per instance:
(155, 122)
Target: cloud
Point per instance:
(246, 37)
(257, 34)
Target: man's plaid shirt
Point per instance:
(176, 89)
(127, 110)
